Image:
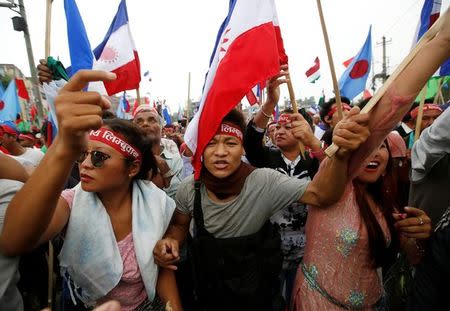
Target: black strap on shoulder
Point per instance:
(198, 213)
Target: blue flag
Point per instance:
(9, 103)
(166, 115)
(430, 13)
(121, 107)
(80, 49)
(2, 90)
(353, 80)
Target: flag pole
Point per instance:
(188, 104)
(436, 98)
(423, 94)
(138, 96)
(430, 34)
(295, 109)
(51, 254)
(48, 26)
(337, 93)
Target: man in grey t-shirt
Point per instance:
(237, 200)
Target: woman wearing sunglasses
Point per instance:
(111, 220)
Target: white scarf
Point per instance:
(90, 256)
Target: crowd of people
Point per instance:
(267, 226)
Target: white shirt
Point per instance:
(30, 155)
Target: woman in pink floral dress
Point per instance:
(348, 241)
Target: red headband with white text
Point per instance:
(345, 107)
(114, 140)
(230, 130)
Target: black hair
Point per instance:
(364, 102)
(384, 193)
(106, 114)
(134, 136)
(326, 107)
(237, 118)
(407, 116)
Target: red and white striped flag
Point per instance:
(313, 73)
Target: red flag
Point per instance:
(251, 97)
(367, 94)
(347, 62)
(136, 104)
(22, 90)
(33, 112)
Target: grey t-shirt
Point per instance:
(265, 192)
(10, 298)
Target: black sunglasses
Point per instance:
(98, 158)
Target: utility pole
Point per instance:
(383, 74)
(34, 78)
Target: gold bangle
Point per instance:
(268, 116)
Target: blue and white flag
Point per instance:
(353, 80)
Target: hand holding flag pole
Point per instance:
(330, 61)
(428, 36)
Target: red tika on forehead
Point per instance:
(284, 118)
(230, 130)
(113, 140)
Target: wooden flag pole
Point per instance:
(430, 34)
(337, 93)
(423, 94)
(188, 104)
(51, 252)
(48, 26)
(439, 91)
(295, 109)
(138, 96)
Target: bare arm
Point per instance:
(166, 251)
(31, 211)
(329, 184)
(11, 169)
(397, 101)
(167, 290)
(273, 95)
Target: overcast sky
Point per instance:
(174, 37)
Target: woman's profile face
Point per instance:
(103, 168)
(376, 166)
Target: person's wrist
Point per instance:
(265, 114)
(63, 152)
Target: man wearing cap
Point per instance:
(287, 159)
(237, 256)
(10, 141)
(168, 158)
